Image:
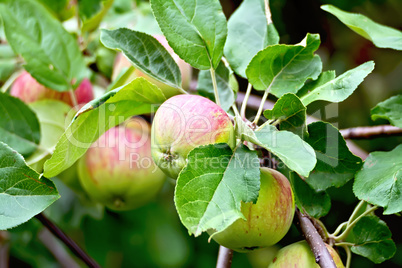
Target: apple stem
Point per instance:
(313, 238)
(212, 70)
(225, 256)
(245, 100)
(56, 231)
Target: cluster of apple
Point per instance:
(184, 122)
(127, 166)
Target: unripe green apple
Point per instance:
(122, 62)
(267, 221)
(299, 255)
(29, 90)
(118, 170)
(182, 123)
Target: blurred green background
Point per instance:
(152, 236)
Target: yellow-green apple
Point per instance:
(122, 62)
(29, 90)
(118, 170)
(267, 221)
(299, 255)
(182, 123)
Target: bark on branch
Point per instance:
(313, 238)
(371, 132)
(4, 249)
(56, 231)
(224, 257)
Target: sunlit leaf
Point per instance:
(211, 187)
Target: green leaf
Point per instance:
(336, 165)
(380, 35)
(372, 239)
(284, 68)
(19, 126)
(196, 30)
(8, 61)
(226, 82)
(212, 185)
(92, 13)
(248, 33)
(63, 9)
(316, 204)
(137, 97)
(23, 192)
(288, 147)
(7, 68)
(52, 57)
(290, 112)
(145, 53)
(390, 109)
(379, 182)
(52, 119)
(324, 77)
(338, 89)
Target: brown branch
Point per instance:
(313, 238)
(56, 248)
(254, 103)
(67, 241)
(4, 249)
(224, 257)
(371, 132)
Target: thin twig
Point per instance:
(313, 238)
(67, 241)
(371, 132)
(224, 257)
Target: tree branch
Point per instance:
(371, 132)
(224, 257)
(322, 256)
(254, 102)
(67, 241)
(56, 248)
(4, 249)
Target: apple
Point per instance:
(118, 170)
(29, 90)
(122, 62)
(299, 255)
(182, 123)
(267, 221)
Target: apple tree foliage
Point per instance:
(314, 156)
